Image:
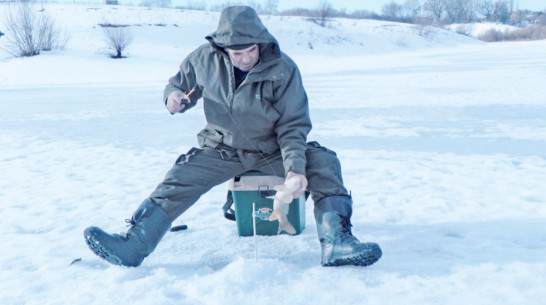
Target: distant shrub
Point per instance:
(156, 3)
(194, 5)
(118, 38)
(30, 31)
(536, 32)
(462, 30)
(492, 35)
(539, 33)
(112, 25)
(50, 36)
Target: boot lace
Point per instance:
(346, 225)
(130, 223)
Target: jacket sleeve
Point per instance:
(294, 123)
(184, 81)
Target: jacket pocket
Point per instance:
(209, 138)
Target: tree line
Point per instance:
(460, 11)
(32, 31)
(435, 12)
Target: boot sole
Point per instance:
(101, 252)
(364, 258)
(361, 260)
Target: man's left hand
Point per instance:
(302, 180)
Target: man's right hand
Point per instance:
(174, 101)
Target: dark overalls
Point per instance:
(199, 170)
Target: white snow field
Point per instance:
(442, 139)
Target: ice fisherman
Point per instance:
(257, 119)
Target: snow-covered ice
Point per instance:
(442, 140)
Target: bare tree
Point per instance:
(156, 3)
(50, 36)
(361, 14)
(255, 5)
(118, 39)
(486, 8)
(411, 9)
(541, 20)
(458, 10)
(501, 12)
(271, 7)
(322, 13)
(195, 5)
(436, 9)
(518, 17)
(391, 10)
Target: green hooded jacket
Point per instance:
(269, 110)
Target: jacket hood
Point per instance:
(241, 25)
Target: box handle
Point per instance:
(264, 191)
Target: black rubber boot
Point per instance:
(148, 225)
(339, 246)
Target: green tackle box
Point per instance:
(255, 187)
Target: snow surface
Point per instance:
(442, 139)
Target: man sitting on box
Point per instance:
(257, 119)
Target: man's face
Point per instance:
(244, 59)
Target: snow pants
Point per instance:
(200, 169)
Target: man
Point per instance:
(257, 119)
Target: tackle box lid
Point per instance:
(254, 181)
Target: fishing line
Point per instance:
(246, 138)
(238, 127)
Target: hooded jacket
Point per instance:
(269, 110)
